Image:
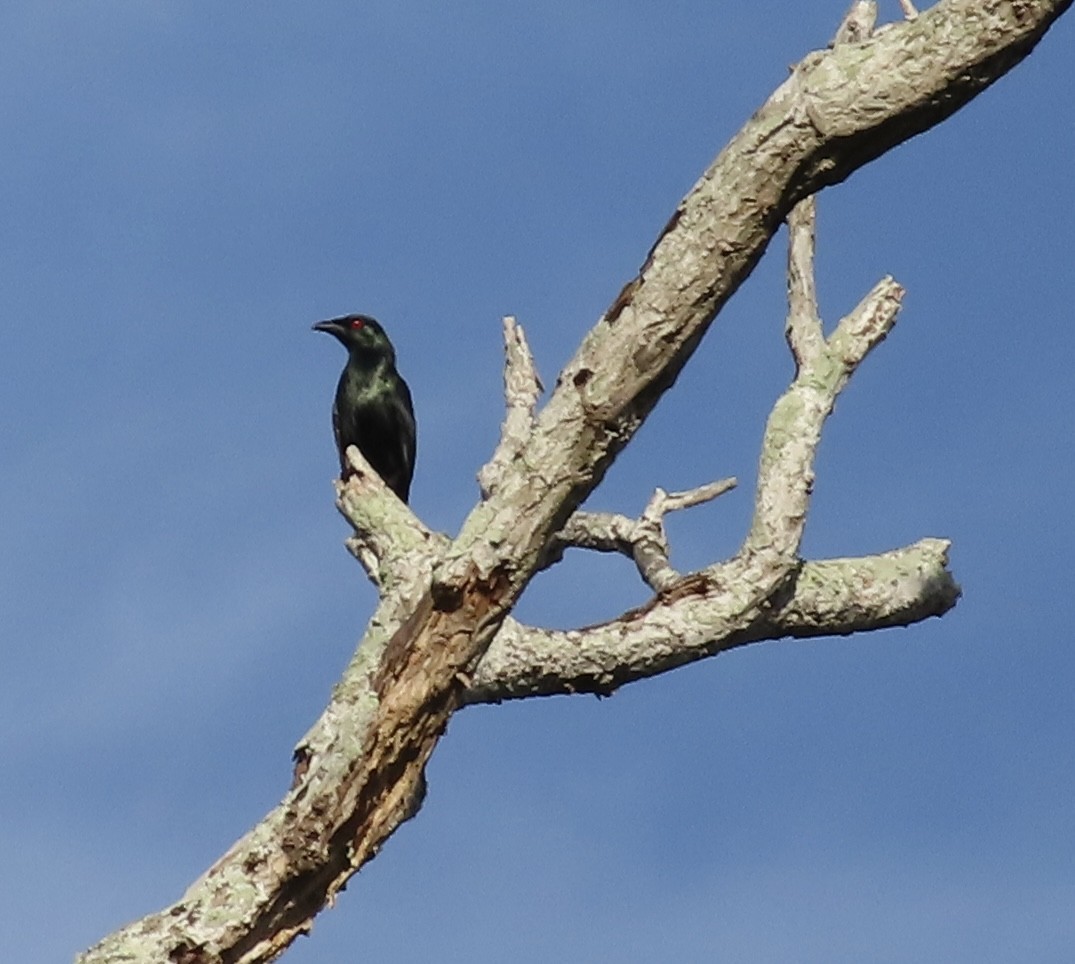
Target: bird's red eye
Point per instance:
(357, 323)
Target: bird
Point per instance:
(372, 409)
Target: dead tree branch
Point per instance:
(359, 771)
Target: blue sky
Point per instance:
(186, 187)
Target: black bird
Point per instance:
(373, 408)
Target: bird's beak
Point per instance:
(331, 327)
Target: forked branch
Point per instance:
(359, 770)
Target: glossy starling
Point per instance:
(373, 409)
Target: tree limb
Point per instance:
(833, 597)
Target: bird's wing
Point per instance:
(396, 431)
(408, 429)
(336, 435)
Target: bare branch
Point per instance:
(597, 531)
(803, 330)
(830, 597)
(642, 539)
(360, 771)
(651, 543)
(908, 8)
(858, 23)
(865, 328)
(792, 433)
(390, 541)
(522, 389)
(767, 572)
(767, 568)
(664, 502)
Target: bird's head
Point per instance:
(361, 335)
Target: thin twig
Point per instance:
(642, 539)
